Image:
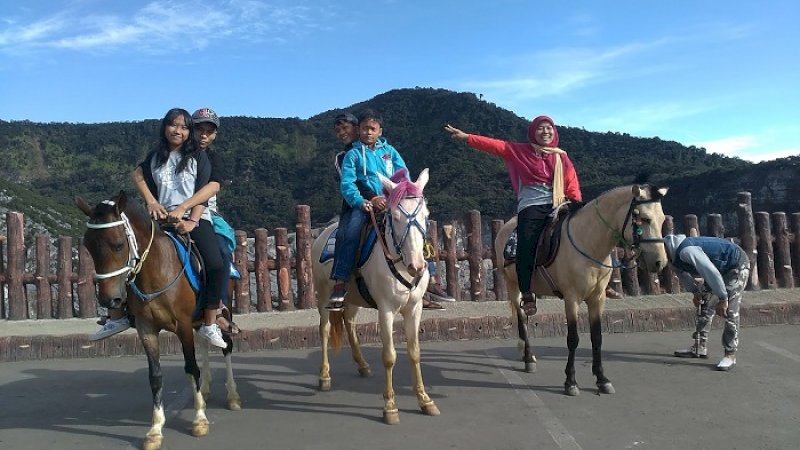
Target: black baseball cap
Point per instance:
(346, 117)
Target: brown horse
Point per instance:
(630, 216)
(396, 276)
(137, 265)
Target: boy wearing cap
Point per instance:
(345, 128)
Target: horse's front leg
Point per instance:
(149, 338)
(205, 369)
(185, 334)
(324, 338)
(411, 322)
(390, 414)
(350, 313)
(571, 310)
(596, 333)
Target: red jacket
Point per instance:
(526, 166)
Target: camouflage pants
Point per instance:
(735, 282)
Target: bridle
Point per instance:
(135, 262)
(411, 222)
(637, 233)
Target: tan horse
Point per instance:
(396, 276)
(629, 215)
(137, 265)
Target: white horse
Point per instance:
(396, 276)
(631, 216)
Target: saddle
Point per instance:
(549, 240)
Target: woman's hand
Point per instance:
(455, 133)
(186, 226)
(176, 215)
(378, 203)
(156, 211)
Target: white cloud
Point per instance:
(161, 26)
(747, 147)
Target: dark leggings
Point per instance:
(216, 272)
(530, 223)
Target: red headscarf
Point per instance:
(535, 124)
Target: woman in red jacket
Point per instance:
(542, 176)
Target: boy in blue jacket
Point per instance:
(369, 156)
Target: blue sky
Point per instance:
(716, 74)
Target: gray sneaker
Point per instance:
(693, 352)
(438, 294)
(213, 335)
(110, 328)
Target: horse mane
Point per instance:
(405, 188)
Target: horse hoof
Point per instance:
(325, 385)
(572, 391)
(530, 367)
(606, 388)
(235, 404)
(200, 428)
(365, 372)
(152, 442)
(430, 409)
(391, 417)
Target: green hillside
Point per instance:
(274, 164)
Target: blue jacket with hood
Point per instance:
(362, 165)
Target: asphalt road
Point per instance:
(487, 402)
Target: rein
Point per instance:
(619, 234)
(392, 262)
(135, 262)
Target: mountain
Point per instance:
(274, 164)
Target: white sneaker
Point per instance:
(693, 352)
(727, 363)
(111, 328)
(213, 335)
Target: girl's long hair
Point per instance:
(188, 149)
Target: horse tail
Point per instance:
(336, 319)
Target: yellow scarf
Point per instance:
(558, 173)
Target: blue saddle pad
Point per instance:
(183, 253)
(330, 246)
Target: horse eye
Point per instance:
(118, 247)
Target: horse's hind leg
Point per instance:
(522, 331)
(205, 370)
(571, 384)
(350, 313)
(411, 324)
(596, 332)
(233, 401)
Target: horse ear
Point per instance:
(122, 199)
(662, 190)
(83, 206)
(636, 190)
(422, 179)
(388, 184)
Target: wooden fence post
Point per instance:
(714, 226)
(630, 278)
(747, 236)
(302, 264)
(451, 261)
(284, 265)
(2, 278)
(242, 285)
(477, 285)
(44, 296)
(669, 280)
(783, 262)
(15, 228)
(261, 268)
(499, 280)
(87, 295)
(766, 262)
(64, 278)
(794, 223)
(690, 225)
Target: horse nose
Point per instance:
(416, 270)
